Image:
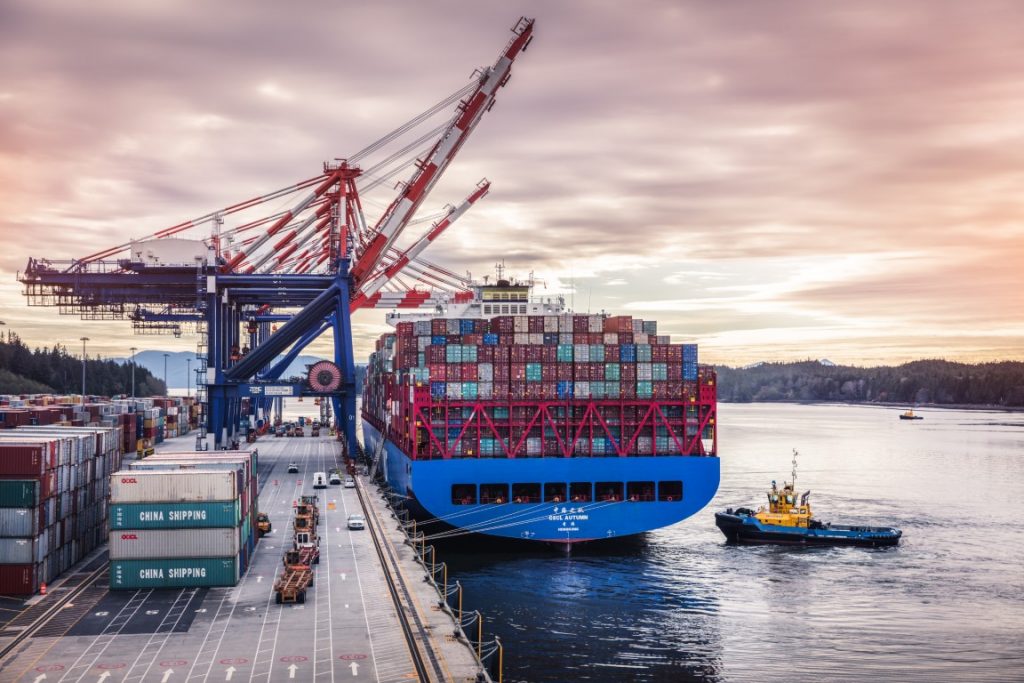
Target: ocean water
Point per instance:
(679, 604)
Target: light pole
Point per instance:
(84, 339)
(188, 378)
(165, 374)
(133, 350)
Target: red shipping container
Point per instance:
(404, 329)
(438, 326)
(469, 372)
(581, 372)
(580, 324)
(454, 372)
(627, 390)
(29, 460)
(549, 389)
(549, 354)
(535, 324)
(501, 391)
(675, 370)
(534, 353)
(19, 579)
(549, 372)
(485, 354)
(518, 353)
(564, 372)
(675, 353)
(435, 354)
(611, 353)
(437, 372)
(659, 353)
(517, 372)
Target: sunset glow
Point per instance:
(775, 181)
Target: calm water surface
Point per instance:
(681, 605)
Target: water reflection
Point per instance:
(679, 604)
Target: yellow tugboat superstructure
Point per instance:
(783, 508)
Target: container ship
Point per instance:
(504, 414)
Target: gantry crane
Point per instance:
(261, 291)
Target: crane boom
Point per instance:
(473, 108)
(374, 285)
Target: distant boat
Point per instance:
(909, 415)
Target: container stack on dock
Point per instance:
(143, 422)
(520, 361)
(53, 500)
(183, 520)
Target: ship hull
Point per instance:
(428, 486)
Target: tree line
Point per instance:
(925, 381)
(54, 370)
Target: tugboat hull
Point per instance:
(741, 527)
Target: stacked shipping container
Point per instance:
(53, 500)
(511, 364)
(183, 519)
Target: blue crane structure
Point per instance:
(260, 291)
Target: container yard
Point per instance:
(53, 500)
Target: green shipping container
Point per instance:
(19, 493)
(175, 515)
(173, 573)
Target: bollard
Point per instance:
(42, 588)
(501, 659)
(479, 637)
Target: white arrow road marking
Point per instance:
(291, 671)
(338, 529)
(228, 673)
(346, 606)
(38, 678)
(167, 674)
(343, 576)
(355, 668)
(258, 579)
(104, 676)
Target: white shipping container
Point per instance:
(138, 486)
(15, 522)
(149, 544)
(24, 550)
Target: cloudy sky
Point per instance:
(772, 180)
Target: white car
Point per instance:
(356, 522)
(350, 483)
(335, 479)
(319, 480)
(293, 468)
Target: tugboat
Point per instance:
(787, 521)
(909, 415)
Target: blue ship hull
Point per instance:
(428, 484)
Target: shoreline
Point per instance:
(887, 404)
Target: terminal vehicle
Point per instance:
(356, 522)
(319, 480)
(315, 430)
(291, 586)
(335, 479)
(300, 431)
(350, 483)
(290, 430)
(263, 525)
(293, 468)
(279, 430)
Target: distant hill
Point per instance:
(925, 381)
(54, 370)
